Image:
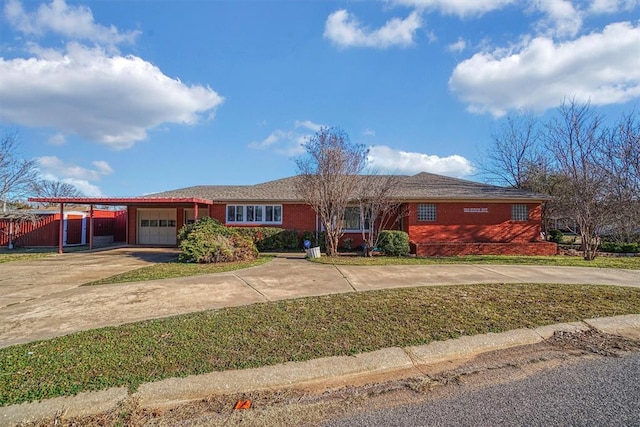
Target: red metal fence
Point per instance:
(45, 231)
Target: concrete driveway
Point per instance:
(43, 298)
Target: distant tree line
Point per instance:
(589, 168)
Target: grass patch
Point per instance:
(630, 263)
(170, 270)
(294, 330)
(10, 256)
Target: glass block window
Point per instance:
(519, 213)
(427, 212)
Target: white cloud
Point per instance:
(369, 132)
(602, 67)
(612, 6)
(102, 167)
(460, 8)
(385, 158)
(85, 187)
(458, 46)
(308, 124)
(114, 100)
(75, 22)
(345, 30)
(288, 142)
(56, 167)
(561, 17)
(58, 139)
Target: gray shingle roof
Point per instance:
(423, 186)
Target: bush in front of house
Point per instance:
(272, 238)
(555, 236)
(207, 241)
(393, 243)
(615, 247)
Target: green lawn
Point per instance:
(170, 270)
(632, 263)
(293, 330)
(9, 256)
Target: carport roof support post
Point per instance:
(61, 229)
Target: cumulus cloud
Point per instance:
(288, 142)
(54, 169)
(601, 67)
(53, 165)
(459, 8)
(562, 19)
(385, 158)
(57, 139)
(75, 22)
(344, 30)
(308, 124)
(611, 6)
(114, 100)
(457, 46)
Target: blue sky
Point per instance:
(125, 98)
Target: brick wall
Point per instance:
(472, 223)
(457, 249)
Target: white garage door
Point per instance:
(157, 227)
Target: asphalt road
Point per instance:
(593, 392)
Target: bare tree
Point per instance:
(517, 159)
(622, 164)
(16, 175)
(515, 154)
(575, 140)
(49, 188)
(329, 178)
(380, 207)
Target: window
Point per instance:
(519, 213)
(352, 218)
(427, 212)
(263, 214)
(273, 213)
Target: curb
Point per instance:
(335, 370)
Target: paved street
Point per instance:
(591, 392)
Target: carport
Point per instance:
(151, 204)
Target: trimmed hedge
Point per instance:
(272, 238)
(393, 243)
(632, 247)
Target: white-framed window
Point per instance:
(519, 213)
(254, 214)
(427, 212)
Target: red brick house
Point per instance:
(444, 216)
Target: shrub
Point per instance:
(555, 236)
(271, 238)
(207, 240)
(393, 243)
(347, 244)
(616, 247)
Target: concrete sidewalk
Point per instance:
(54, 304)
(330, 372)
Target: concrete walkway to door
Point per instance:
(43, 298)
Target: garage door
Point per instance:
(157, 227)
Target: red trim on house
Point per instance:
(121, 201)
